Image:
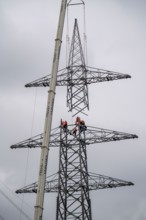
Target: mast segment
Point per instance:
(77, 77)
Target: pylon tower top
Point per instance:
(77, 76)
(76, 56)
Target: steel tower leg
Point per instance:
(73, 201)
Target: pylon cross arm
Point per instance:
(93, 75)
(93, 135)
(36, 141)
(95, 182)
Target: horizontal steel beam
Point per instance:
(96, 182)
(93, 75)
(93, 136)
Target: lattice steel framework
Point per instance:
(73, 181)
(77, 94)
(93, 136)
(95, 181)
(74, 201)
(77, 76)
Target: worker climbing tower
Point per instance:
(73, 181)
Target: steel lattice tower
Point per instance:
(77, 76)
(73, 181)
(74, 201)
(77, 94)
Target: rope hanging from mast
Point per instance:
(28, 152)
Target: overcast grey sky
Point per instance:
(116, 33)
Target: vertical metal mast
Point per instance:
(48, 119)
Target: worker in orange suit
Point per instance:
(64, 124)
(77, 120)
(82, 125)
(82, 122)
(74, 131)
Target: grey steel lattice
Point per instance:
(73, 202)
(96, 182)
(93, 135)
(77, 76)
(74, 181)
(93, 75)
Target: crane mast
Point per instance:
(48, 118)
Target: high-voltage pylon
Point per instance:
(77, 76)
(73, 182)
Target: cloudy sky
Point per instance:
(116, 33)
